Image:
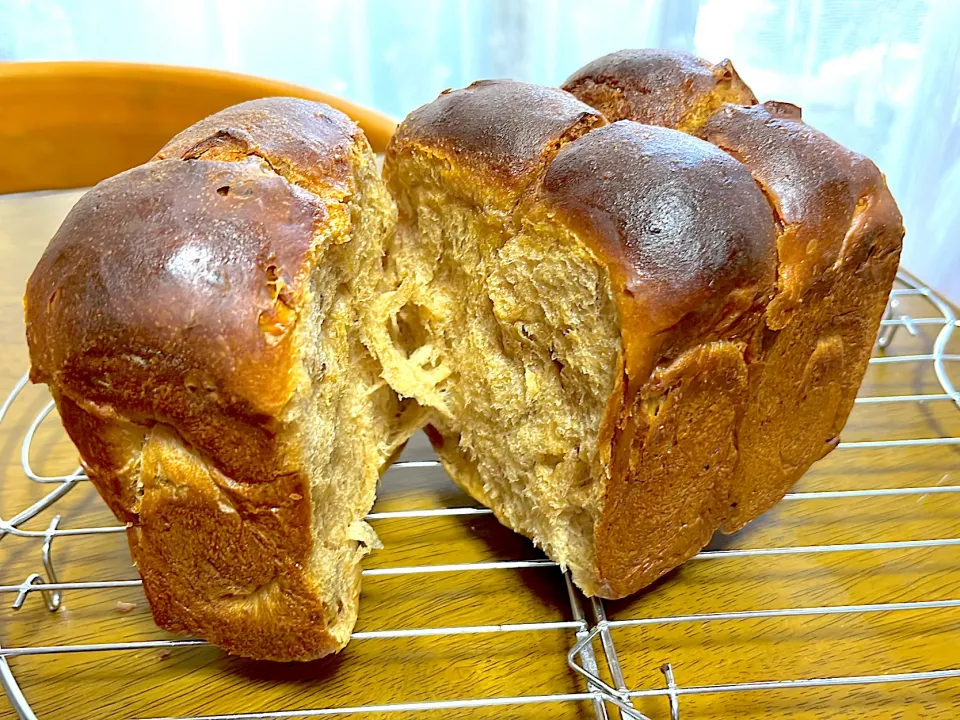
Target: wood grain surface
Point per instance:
(203, 680)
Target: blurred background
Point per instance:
(881, 77)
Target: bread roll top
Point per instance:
(658, 87)
(306, 143)
(679, 222)
(816, 187)
(500, 130)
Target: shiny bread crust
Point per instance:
(838, 245)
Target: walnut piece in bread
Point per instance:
(199, 320)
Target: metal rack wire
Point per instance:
(589, 621)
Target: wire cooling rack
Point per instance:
(594, 634)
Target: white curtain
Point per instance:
(882, 77)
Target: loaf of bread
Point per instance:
(199, 321)
(630, 335)
(628, 314)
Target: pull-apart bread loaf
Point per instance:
(199, 320)
(632, 313)
(629, 336)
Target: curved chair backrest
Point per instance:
(72, 124)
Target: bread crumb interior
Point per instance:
(505, 326)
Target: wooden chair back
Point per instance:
(72, 124)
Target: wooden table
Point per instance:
(202, 680)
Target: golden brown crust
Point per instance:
(163, 315)
(481, 126)
(307, 143)
(679, 222)
(658, 87)
(813, 184)
(804, 387)
(838, 245)
(674, 459)
(239, 577)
